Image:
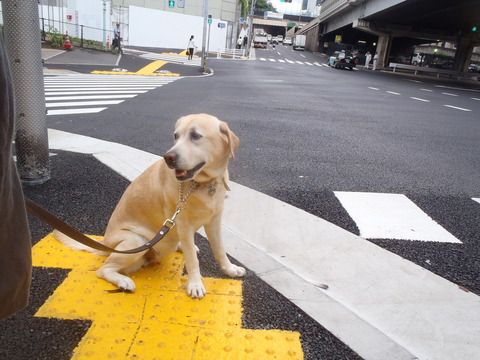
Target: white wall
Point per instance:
(156, 28)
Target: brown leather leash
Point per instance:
(47, 217)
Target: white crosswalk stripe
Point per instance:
(174, 58)
(391, 216)
(283, 61)
(92, 93)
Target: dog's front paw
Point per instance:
(125, 283)
(234, 271)
(196, 290)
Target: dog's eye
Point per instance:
(195, 136)
(175, 136)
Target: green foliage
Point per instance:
(56, 39)
(265, 5)
(261, 5)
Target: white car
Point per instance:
(287, 41)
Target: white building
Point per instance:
(148, 23)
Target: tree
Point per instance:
(265, 5)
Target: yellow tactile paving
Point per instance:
(159, 320)
(146, 70)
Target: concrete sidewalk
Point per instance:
(379, 304)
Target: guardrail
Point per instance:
(450, 73)
(234, 53)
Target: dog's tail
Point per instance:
(75, 245)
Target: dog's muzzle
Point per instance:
(171, 159)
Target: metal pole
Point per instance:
(250, 26)
(22, 39)
(205, 19)
(105, 24)
(208, 41)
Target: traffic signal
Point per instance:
(171, 3)
(209, 18)
(474, 28)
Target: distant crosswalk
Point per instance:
(287, 61)
(92, 93)
(173, 58)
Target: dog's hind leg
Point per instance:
(123, 263)
(214, 236)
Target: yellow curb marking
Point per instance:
(159, 320)
(146, 70)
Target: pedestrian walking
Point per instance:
(15, 243)
(368, 58)
(375, 60)
(116, 43)
(191, 47)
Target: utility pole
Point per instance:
(105, 24)
(22, 40)
(205, 20)
(250, 26)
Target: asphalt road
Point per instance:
(306, 131)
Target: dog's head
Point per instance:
(203, 144)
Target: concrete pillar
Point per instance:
(383, 49)
(463, 54)
(22, 40)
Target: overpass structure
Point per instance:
(382, 23)
(278, 26)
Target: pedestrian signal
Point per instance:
(209, 20)
(171, 3)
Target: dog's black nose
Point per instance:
(171, 159)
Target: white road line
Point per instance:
(273, 60)
(48, 93)
(393, 93)
(419, 99)
(449, 94)
(391, 216)
(99, 87)
(302, 55)
(280, 60)
(456, 88)
(84, 103)
(316, 63)
(278, 52)
(88, 97)
(299, 62)
(373, 88)
(457, 108)
(75, 111)
(429, 90)
(308, 63)
(290, 61)
(476, 199)
(478, 99)
(263, 59)
(379, 304)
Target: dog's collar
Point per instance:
(211, 185)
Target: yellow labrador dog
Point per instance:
(198, 159)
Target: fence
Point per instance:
(55, 31)
(231, 53)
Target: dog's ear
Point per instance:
(232, 139)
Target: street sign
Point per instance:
(180, 3)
